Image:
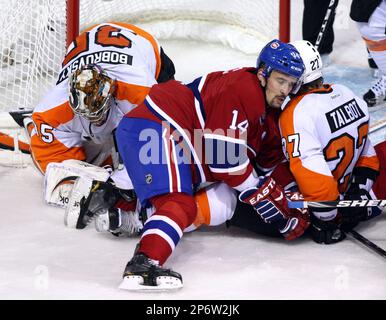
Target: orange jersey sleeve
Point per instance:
(48, 143)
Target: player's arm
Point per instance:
(367, 167)
(52, 139)
(311, 171)
(264, 194)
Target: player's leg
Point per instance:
(374, 35)
(218, 204)
(313, 16)
(162, 179)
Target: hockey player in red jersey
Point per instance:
(322, 159)
(185, 135)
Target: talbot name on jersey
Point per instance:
(344, 115)
(110, 57)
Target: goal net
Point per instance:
(33, 33)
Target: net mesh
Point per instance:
(33, 33)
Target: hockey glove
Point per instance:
(327, 232)
(351, 216)
(119, 222)
(270, 202)
(104, 196)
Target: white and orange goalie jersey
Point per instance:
(325, 136)
(126, 53)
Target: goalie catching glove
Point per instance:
(271, 203)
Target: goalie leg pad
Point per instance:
(79, 193)
(60, 178)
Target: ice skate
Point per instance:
(376, 93)
(143, 273)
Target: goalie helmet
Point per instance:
(90, 93)
(311, 59)
(282, 57)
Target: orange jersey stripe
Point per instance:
(54, 117)
(203, 209)
(373, 45)
(133, 93)
(54, 151)
(7, 142)
(370, 162)
(314, 186)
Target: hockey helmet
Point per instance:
(90, 93)
(282, 57)
(311, 59)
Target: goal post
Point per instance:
(284, 16)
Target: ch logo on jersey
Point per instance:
(344, 115)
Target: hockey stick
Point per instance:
(336, 204)
(368, 243)
(325, 22)
(345, 203)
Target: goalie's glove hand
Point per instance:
(270, 202)
(327, 232)
(104, 196)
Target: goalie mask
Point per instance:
(90, 93)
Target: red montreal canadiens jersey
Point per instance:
(221, 118)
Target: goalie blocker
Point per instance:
(337, 204)
(60, 178)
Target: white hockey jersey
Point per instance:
(325, 136)
(128, 54)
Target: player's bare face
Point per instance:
(278, 87)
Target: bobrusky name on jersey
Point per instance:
(110, 57)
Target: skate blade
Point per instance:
(135, 283)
